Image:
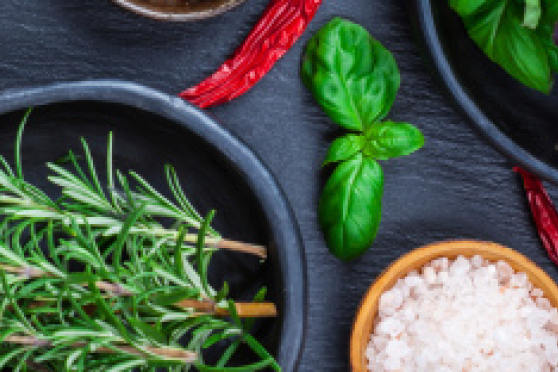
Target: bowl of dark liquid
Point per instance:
(179, 10)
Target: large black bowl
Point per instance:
(520, 122)
(216, 169)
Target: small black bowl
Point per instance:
(522, 123)
(216, 169)
(179, 10)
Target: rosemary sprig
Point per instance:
(86, 202)
(175, 354)
(140, 288)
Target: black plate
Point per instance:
(217, 171)
(520, 122)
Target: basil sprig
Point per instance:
(355, 80)
(517, 35)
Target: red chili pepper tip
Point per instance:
(280, 27)
(543, 212)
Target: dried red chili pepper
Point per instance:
(280, 27)
(543, 212)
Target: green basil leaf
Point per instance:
(351, 75)
(390, 140)
(344, 148)
(546, 31)
(497, 27)
(351, 205)
(533, 13)
(550, 13)
(551, 48)
(466, 7)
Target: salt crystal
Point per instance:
(504, 270)
(536, 292)
(477, 261)
(468, 315)
(390, 302)
(429, 275)
(543, 303)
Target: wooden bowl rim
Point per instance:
(175, 16)
(366, 312)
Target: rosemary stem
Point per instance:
(211, 240)
(244, 310)
(201, 308)
(166, 352)
(257, 250)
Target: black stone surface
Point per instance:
(456, 187)
(518, 120)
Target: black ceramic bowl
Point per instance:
(520, 122)
(217, 172)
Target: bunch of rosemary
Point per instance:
(94, 281)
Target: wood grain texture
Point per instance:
(456, 187)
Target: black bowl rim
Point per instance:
(430, 38)
(179, 17)
(292, 262)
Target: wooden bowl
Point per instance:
(179, 10)
(364, 322)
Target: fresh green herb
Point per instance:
(533, 13)
(140, 291)
(517, 35)
(86, 202)
(355, 80)
(350, 206)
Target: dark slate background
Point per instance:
(456, 187)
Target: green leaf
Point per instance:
(4, 359)
(350, 207)
(263, 365)
(79, 278)
(149, 331)
(344, 148)
(177, 295)
(546, 29)
(178, 259)
(351, 75)
(201, 256)
(533, 13)
(123, 235)
(261, 351)
(466, 7)
(390, 140)
(504, 30)
(126, 366)
(217, 337)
